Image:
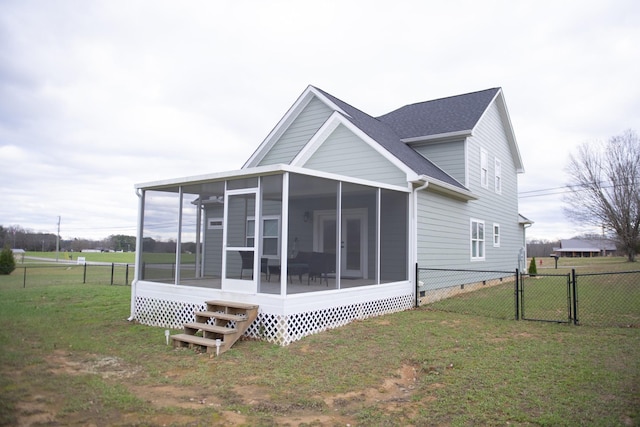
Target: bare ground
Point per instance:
(40, 408)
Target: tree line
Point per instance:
(20, 238)
(17, 237)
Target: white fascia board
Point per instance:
(262, 171)
(327, 129)
(303, 100)
(218, 176)
(511, 137)
(284, 123)
(438, 137)
(445, 188)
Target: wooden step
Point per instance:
(239, 305)
(192, 339)
(225, 321)
(209, 328)
(222, 316)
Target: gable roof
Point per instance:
(445, 117)
(389, 139)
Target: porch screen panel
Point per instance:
(312, 244)
(394, 242)
(188, 236)
(271, 232)
(240, 236)
(358, 242)
(159, 235)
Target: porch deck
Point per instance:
(307, 309)
(294, 286)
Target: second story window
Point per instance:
(484, 169)
(498, 173)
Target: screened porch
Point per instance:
(276, 230)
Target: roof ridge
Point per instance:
(444, 98)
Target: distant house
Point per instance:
(585, 248)
(327, 220)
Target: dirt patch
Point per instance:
(392, 395)
(63, 362)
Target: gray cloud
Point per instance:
(98, 96)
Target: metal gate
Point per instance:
(547, 298)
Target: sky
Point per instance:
(97, 96)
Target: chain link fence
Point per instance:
(598, 299)
(609, 299)
(29, 276)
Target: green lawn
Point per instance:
(68, 353)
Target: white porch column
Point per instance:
(179, 239)
(284, 245)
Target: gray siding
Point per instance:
(444, 224)
(346, 154)
(448, 156)
(298, 133)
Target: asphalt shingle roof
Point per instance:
(457, 113)
(444, 115)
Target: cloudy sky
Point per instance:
(96, 96)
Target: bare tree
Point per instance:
(605, 188)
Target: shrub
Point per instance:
(533, 270)
(7, 261)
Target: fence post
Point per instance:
(24, 278)
(517, 295)
(84, 276)
(417, 287)
(574, 291)
(112, 268)
(126, 275)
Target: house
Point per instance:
(327, 220)
(585, 248)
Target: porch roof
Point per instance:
(168, 184)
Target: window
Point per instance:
(484, 169)
(498, 171)
(496, 235)
(477, 240)
(214, 223)
(270, 234)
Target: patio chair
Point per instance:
(247, 264)
(320, 265)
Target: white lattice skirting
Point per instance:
(279, 329)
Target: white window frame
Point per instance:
(496, 235)
(277, 237)
(498, 175)
(215, 223)
(477, 243)
(484, 168)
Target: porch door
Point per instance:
(241, 269)
(353, 244)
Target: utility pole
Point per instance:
(58, 240)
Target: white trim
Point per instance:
(327, 129)
(216, 223)
(433, 138)
(290, 116)
(484, 178)
(483, 240)
(501, 104)
(497, 175)
(240, 285)
(261, 171)
(494, 234)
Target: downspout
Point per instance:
(414, 232)
(138, 254)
